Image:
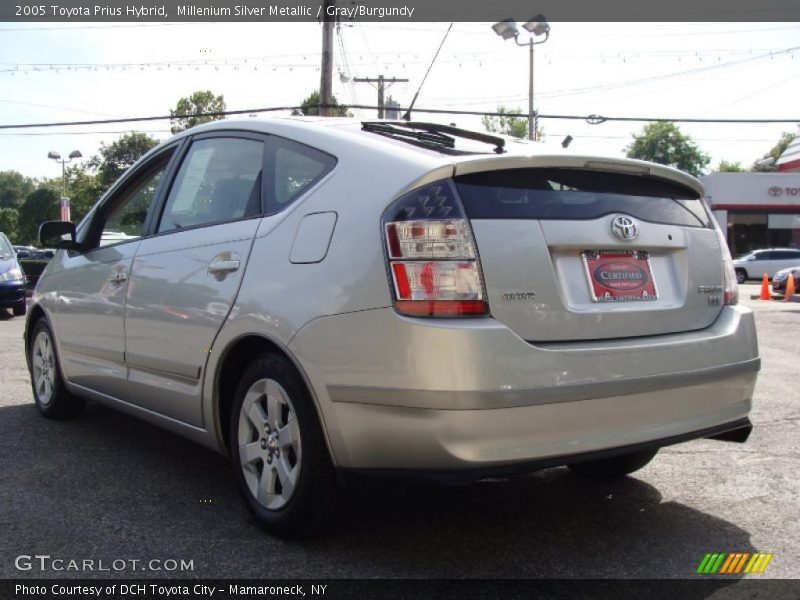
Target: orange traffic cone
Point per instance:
(765, 295)
(789, 288)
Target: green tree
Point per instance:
(190, 110)
(113, 160)
(767, 162)
(84, 189)
(310, 106)
(664, 143)
(40, 205)
(14, 187)
(9, 223)
(512, 122)
(728, 167)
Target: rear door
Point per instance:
(185, 277)
(593, 253)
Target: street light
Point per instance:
(536, 27)
(64, 200)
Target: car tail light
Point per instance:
(433, 260)
(731, 287)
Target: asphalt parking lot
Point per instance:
(106, 486)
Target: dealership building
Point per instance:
(758, 210)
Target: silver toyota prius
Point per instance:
(316, 297)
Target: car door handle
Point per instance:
(118, 278)
(222, 267)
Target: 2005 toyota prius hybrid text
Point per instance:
(316, 297)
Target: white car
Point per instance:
(770, 261)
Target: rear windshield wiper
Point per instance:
(390, 130)
(434, 134)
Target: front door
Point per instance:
(92, 285)
(186, 276)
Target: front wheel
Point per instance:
(614, 467)
(741, 275)
(278, 450)
(20, 309)
(49, 391)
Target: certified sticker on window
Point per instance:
(619, 275)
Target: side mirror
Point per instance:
(58, 234)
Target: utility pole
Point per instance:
(326, 75)
(381, 81)
(531, 114)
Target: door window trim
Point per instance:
(161, 205)
(117, 192)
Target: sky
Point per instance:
(80, 71)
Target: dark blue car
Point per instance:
(12, 279)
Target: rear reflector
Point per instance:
(442, 308)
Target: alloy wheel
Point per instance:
(43, 359)
(270, 450)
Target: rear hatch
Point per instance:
(592, 249)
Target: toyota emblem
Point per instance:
(775, 191)
(625, 228)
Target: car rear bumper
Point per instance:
(735, 431)
(399, 393)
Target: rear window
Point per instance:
(573, 194)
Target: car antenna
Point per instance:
(407, 116)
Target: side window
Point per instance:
(126, 220)
(295, 169)
(219, 180)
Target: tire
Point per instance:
(741, 276)
(47, 382)
(19, 310)
(614, 467)
(278, 451)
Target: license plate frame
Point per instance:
(627, 277)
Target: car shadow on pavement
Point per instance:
(107, 486)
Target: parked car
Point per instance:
(23, 251)
(317, 297)
(31, 253)
(781, 280)
(12, 279)
(758, 262)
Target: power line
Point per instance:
(592, 119)
(655, 78)
(550, 134)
